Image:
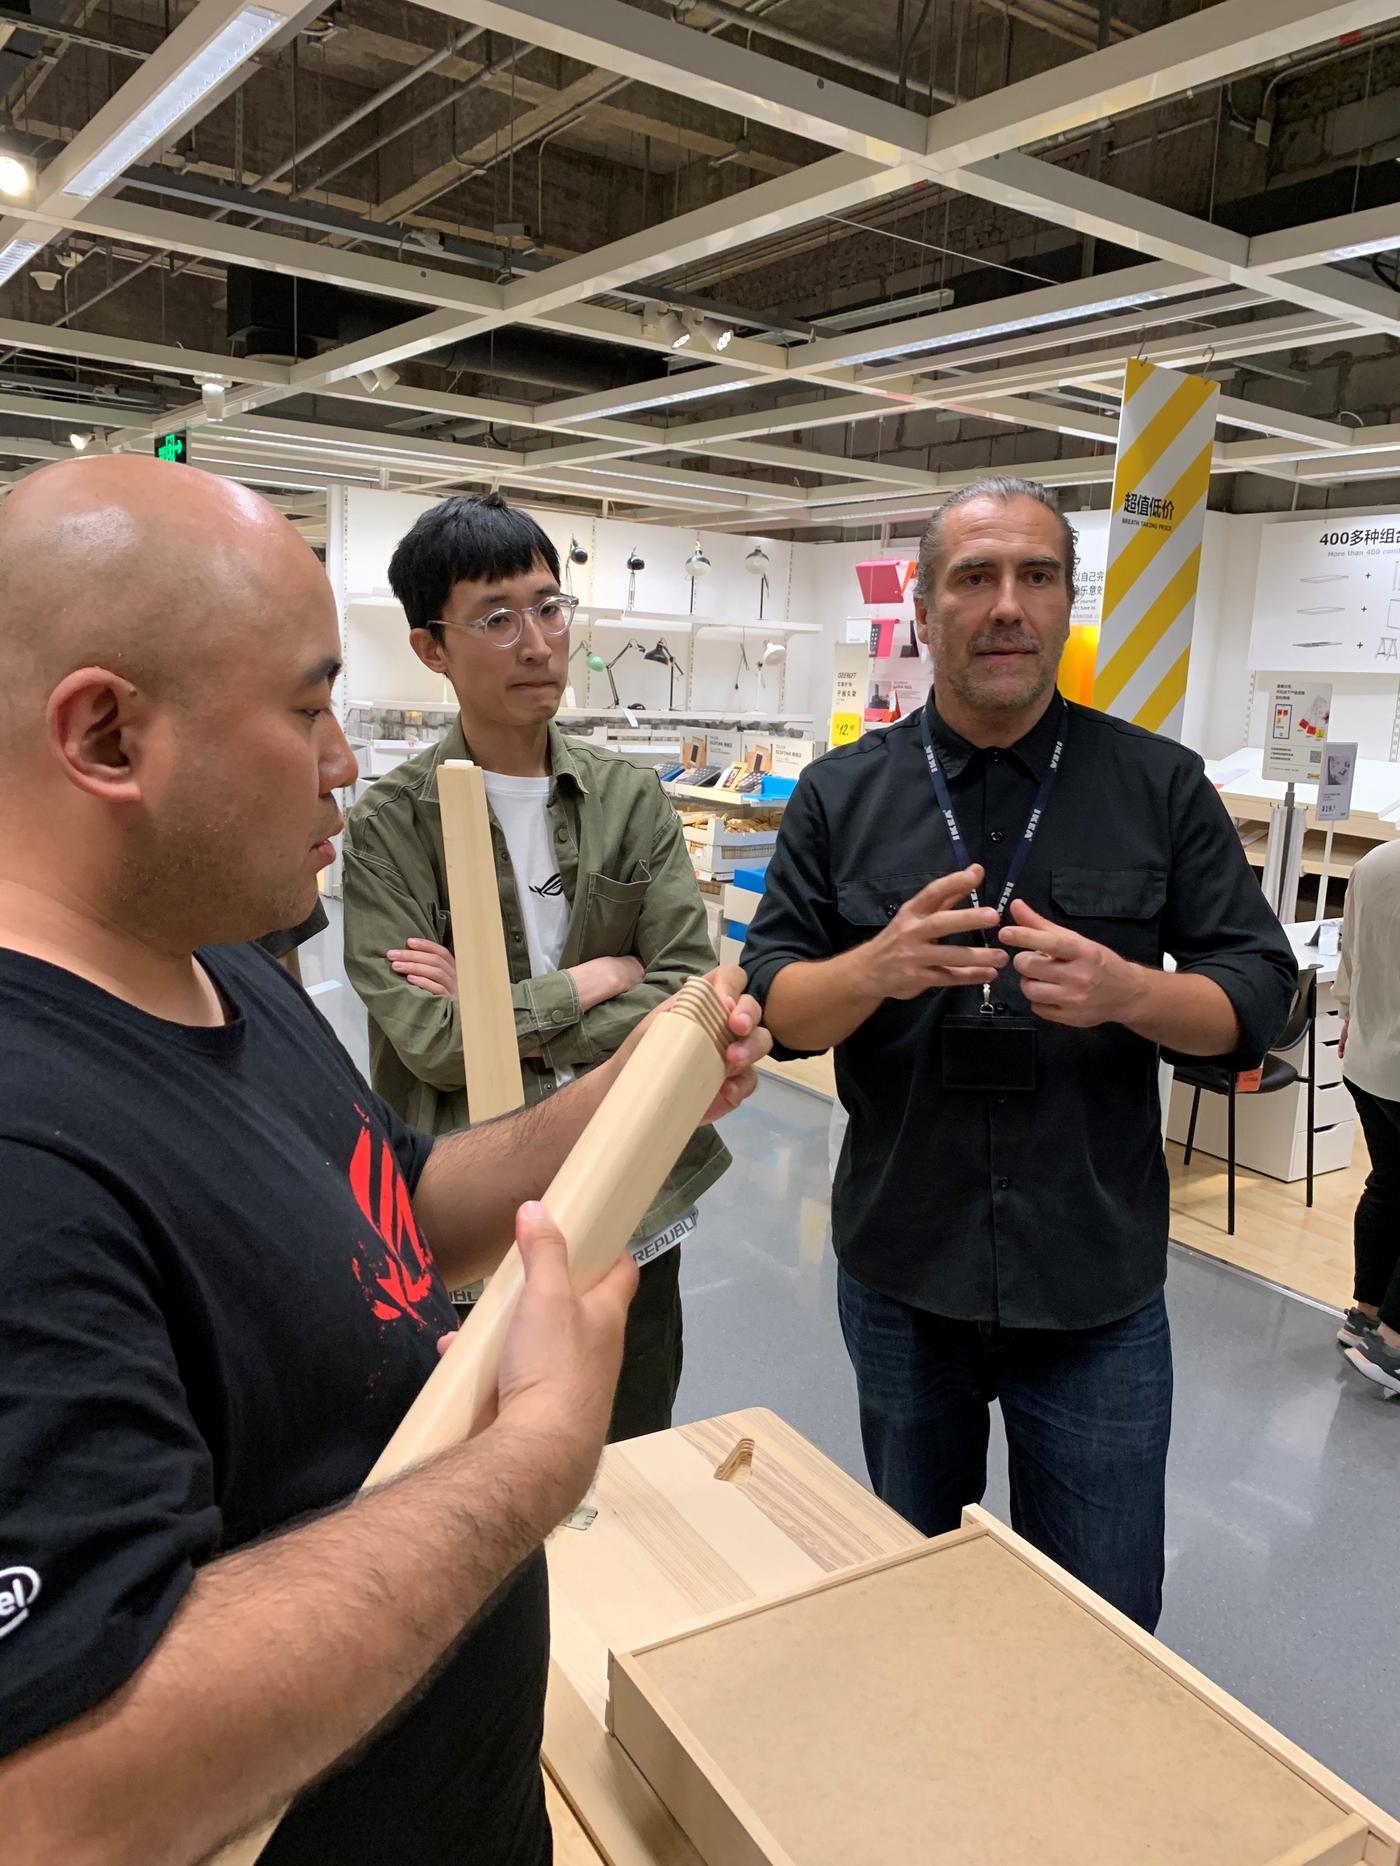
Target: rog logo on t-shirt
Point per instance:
(404, 1273)
(549, 890)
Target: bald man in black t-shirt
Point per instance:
(221, 1279)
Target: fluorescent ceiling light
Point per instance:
(910, 346)
(884, 313)
(659, 397)
(225, 52)
(18, 253)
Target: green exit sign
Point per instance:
(173, 446)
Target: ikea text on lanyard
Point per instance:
(1023, 847)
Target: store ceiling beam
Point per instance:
(163, 359)
(84, 414)
(649, 49)
(117, 126)
(1345, 236)
(1093, 208)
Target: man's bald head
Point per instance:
(155, 571)
(168, 747)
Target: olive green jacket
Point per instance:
(627, 875)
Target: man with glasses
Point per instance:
(603, 917)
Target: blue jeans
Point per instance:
(1087, 1415)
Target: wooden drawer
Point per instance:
(967, 1702)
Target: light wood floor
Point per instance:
(1276, 1236)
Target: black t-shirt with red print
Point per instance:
(215, 1307)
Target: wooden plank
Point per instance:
(1090, 1754)
(1342, 1845)
(489, 1048)
(816, 1074)
(609, 1800)
(572, 1847)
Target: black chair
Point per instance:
(1277, 1074)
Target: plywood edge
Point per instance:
(838, 1578)
(1343, 1844)
(706, 1801)
(1384, 1830)
(603, 1789)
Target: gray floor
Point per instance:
(1284, 1484)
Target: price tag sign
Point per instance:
(1338, 776)
(848, 683)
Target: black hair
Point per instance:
(474, 539)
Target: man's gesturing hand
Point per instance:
(1066, 978)
(911, 954)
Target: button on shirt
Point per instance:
(1045, 1209)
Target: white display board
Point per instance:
(1328, 596)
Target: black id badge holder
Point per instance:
(992, 1051)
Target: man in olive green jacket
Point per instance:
(603, 918)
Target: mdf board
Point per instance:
(962, 1705)
(490, 1053)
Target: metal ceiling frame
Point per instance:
(880, 149)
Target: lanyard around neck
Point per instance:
(955, 835)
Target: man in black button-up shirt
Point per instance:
(1009, 1240)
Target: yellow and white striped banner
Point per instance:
(1155, 530)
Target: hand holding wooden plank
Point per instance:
(670, 1082)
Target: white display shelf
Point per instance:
(626, 618)
(687, 625)
(694, 715)
(735, 800)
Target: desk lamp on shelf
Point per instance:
(662, 655)
(594, 663)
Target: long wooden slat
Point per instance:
(490, 1052)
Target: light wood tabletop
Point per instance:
(674, 1543)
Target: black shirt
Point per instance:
(215, 1307)
(1045, 1209)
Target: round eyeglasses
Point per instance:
(503, 628)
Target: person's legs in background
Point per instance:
(1375, 1350)
(925, 1390)
(1088, 1420)
(652, 1351)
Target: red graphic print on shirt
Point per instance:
(404, 1271)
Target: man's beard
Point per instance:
(977, 688)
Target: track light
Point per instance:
(372, 380)
(78, 441)
(674, 329)
(15, 177)
(714, 334)
(212, 394)
(44, 279)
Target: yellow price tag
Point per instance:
(845, 728)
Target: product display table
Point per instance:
(698, 1527)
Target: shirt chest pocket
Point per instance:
(611, 912)
(873, 901)
(1120, 908)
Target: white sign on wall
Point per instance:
(1328, 596)
(1295, 732)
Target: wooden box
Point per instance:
(967, 1703)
